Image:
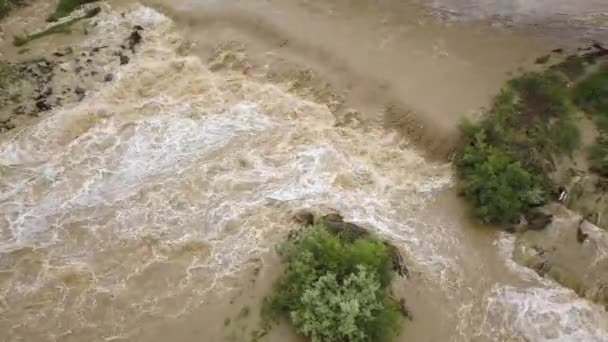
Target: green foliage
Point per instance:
(66, 7)
(599, 156)
(505, 159)
(568, 136)
(497, 185)
(572, 67)
(591, 94)
(543, 95)
(335, 290)
(5, 7)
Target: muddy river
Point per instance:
(149, 210)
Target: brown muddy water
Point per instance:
(149, 210)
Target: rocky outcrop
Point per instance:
(569, 250)
(33, 87)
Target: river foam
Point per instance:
(138, 202)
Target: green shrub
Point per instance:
(6, 6)
(505, 159)
(567, 136)
(572, 67)
(499, 188)
(334, 290)
(599, 156)
(542, 95)
(591, 94)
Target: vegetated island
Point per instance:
(533, 145)
(336, 286)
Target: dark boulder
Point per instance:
(134, 39)
(405, 312)
(80, 92)
(123, 59)
(43, 106)
(346, 230)
(64, 52)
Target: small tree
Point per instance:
(334, 312)
(497, 185)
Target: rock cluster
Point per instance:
(31, 88)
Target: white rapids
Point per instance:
(138, 202)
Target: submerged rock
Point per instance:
(304, 218)
(123, 59)
(43, 106)
(80, 92)
(134, 39)
(67, 51)
(349, 231)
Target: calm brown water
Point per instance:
(148, 211)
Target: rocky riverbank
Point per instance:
(569, 250)
(33, 86)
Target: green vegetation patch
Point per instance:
(6, 6)
(591, 95)
(598, 154)
(64, 27)
(336, 290)
(66, 7)
(572, 67)
(505, 158)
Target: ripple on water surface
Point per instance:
(133, 204)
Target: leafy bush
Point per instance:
(591, 95)
(505, 159)
(497, 185)
(334, 290)
(573, 67)
(6, 6)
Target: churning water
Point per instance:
(135, 205)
